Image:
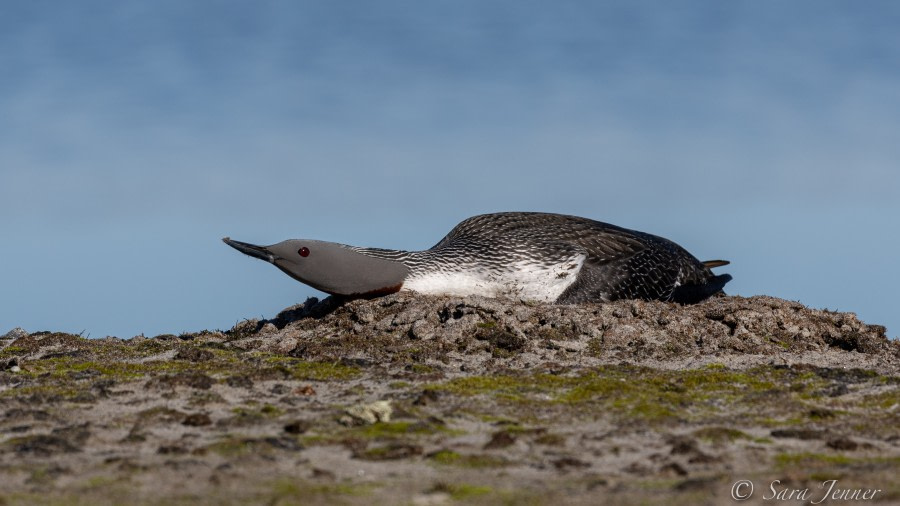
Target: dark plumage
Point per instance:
(619, 263)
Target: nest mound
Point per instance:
(483, 332)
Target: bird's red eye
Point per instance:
(304, 251)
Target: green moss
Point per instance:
(446, 457)
(652, 396)
(715, 375)
(509, 387)
(595, 347)
(720, 434)
(463, 491)
(232, 447)
(515, 428)
(497, 419)
(597, 386)
(637, 388)
(266, 411)
(452, 458)
(422, 368)
(395, 451)
(645, 409)
(270, 410)
(65, 368)
(314, 371)
(551, 334)
(235, 446)
(377, 453)
(884, 400)
(390, 430)
(649, 395)
(45, 391)
(150, 346)
(11, 351)
(119, 371)
(357, 389)
(317, 440)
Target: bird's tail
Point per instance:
(692, 293)
(715, 284)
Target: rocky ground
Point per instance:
(440, 400)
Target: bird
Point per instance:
(533, 256)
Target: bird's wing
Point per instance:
(601, 241)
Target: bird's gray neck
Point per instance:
(395, 255)
(418, 262)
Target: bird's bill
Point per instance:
(252, 250)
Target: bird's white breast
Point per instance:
(524, 279)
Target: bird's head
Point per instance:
(330, 267)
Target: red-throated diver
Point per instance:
(536, 256)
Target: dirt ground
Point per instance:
(420, 400)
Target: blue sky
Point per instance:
(134, 135)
